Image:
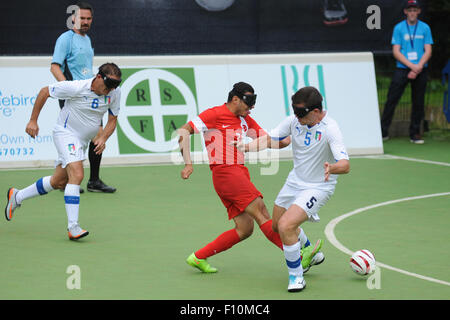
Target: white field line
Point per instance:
(417, 160)
(329, 232)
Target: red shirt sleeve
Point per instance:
(255, 130)
(204, 121)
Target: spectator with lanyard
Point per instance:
(411, 46)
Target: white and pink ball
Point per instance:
(363, 262)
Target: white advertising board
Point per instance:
(161, 93)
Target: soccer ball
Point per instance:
(215, 5)
(363, 262)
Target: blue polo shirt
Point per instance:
(78, 51)
(412, 40)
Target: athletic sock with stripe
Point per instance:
(39, 188)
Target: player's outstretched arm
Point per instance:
(340, 167)
(281, 143)
(32, 127)
(262, 143)
(184, 134)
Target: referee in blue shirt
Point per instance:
(72, 60)
(411, 46)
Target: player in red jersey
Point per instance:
(222, 126)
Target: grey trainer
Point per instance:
(76, 232)
(11, 203)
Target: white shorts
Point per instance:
(69, 147)
(310, 200)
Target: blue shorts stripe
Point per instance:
(294, 264)
(40, 187)
(72, 200)
(65, 122)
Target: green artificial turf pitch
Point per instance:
(141, 235)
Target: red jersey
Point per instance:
(220, 128)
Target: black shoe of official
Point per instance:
(99, 186)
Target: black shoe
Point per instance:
(99, 186)
(417, 139)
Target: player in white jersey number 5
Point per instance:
(78, 122)
(319, 155)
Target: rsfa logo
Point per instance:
(294, 78)
(154, 104)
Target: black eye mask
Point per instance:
(302, 112)
(249, 99)
(110, 82)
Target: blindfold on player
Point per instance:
(110, 82)
(248, 98)
(301, 112)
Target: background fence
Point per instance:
(173, 27)
(434, 98)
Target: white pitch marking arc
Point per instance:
(329, 232)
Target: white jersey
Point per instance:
(83, 109)
(312, 147)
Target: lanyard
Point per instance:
(409, 32)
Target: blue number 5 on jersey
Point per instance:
(307, 138)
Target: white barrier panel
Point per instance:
(161, 93)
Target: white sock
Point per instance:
(72, 200)
(39, 188)
(293, 259)
(303, 238)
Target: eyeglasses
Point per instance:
(110, 83)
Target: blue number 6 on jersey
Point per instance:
(94, 103)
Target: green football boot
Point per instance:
(308, 254)
(200, 264)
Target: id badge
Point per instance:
(412, 56)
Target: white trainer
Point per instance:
(296, 283)
(11, 204)
(76, 232)
(318, 258)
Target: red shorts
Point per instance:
(233, 185)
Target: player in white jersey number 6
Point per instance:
(319, 155)
(78, 122)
